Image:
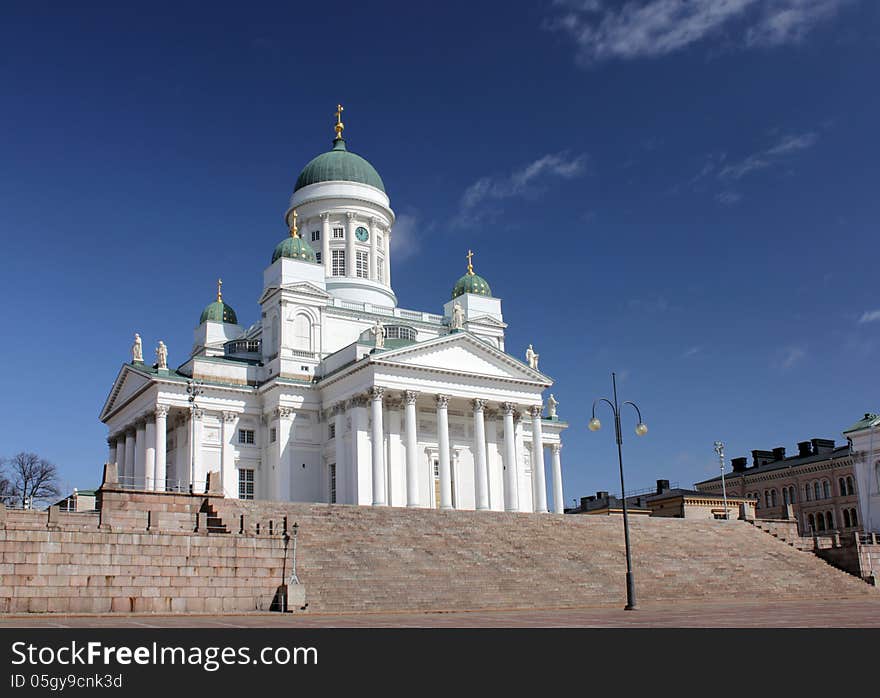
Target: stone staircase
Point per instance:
(390, 559)
(214, 522)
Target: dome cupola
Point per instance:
(294, 247)
(218, 311)
(471, 282)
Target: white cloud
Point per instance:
(728, 198)
(790, 356)
(693, 351)
(403, 236)
(870, 316)
(651, 28)
(785, 147)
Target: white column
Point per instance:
(374, 270)
(160, 473)
(195, 454)
(361, 457)
(412, 458)
(481, 474)
(394, 465)
(228, 479)
(443, 444)
(343, 476)
(325, 251)
(387, 258)
(378, 446)
(139, 453)
(556, 467)
(281, 482)
(181, 454)
(350, 269)
(129, 457)
(511, 480)
(538, 479)
(493, 462)
(149, 452)
(111, 450)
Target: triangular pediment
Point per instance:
(128, 383)
(305, 288)
(462, 353)
(486, 320)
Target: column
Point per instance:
(149, 452)
(556, 467)
(325, 246)
(228, 479)
(538, 479)
(343, 480)
(181, 455)
(196, 476)
(443, 444)
(129, 458)
(394, 466)
(378, 444)
(360, 456)
(374, 271)
(481, 474)
(350, 267)
(160, 474)
(111, 446)
(139, 453)
(493, 463)
(120, 456)
(281, 483)
(387, 259)
(511, 482)
(412, 458)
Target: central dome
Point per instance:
(339, 165)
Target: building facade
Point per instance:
(335, 393)
(819, 483)
(864, 439)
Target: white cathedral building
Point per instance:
(336, 394)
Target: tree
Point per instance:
(32, 479)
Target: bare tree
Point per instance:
(32, 479)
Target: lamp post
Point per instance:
(194, 389)
(641, 430)
(719, 449)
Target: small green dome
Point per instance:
(294, 248)
(218, 311)
(471, 283)
(339, 165)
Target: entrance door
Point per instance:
(435, 465)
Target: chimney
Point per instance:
(779, 453)
(761, 457)
(739, 464)
(822, 445)
(601, 495)
(805, 448)
(662, 486)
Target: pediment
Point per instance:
(462, 353)
(487, 320)
(305, 288)
(128, 383)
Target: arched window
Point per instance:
(808, 493)
(841, 484)
(821, 521)
(772, 498)
(767, 498)
(846, 523)
(792, 494)
(853, 517)
(812, 523)
(302, 332)
(826, 489)
(829, 521)
(816, 491)
(785, 495)
(849, 485)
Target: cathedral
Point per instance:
(337, 394)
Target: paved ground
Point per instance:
(859, 613)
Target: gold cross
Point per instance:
(219, 290)
(293, 228)
(339, 125)
(470, 257)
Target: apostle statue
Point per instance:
(551, 406)
(137, 350)
(532, 357)
(457, 316)
(161, 355)
(378, 332)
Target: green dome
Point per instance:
(339, 165)
(294, 248)
(471, 283)
(218, 311)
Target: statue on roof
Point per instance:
(532, 357)
(137, 350)
(378, 332)
(457, 316)
(552, 402)
(161, 355)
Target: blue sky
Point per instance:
(683, 192)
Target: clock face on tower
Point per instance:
(362, 234)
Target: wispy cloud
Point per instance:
(786, 146)
(869, 316)
(403, 236)
(651, 28)
(790, 356)
(524, 182)
(728, 198)
(649, 305)
(692, 351)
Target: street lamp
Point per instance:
(641, 430)
(194, 389)
(719, 449)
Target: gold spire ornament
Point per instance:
(219, 290)
(470, 259)
(339, 125)
(294, 231)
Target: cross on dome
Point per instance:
(470, 259)
(339, 125)
(294, 231)
(219, 290)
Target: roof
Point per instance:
(682, 492)
(339, 164)
(792, 462)
(471, 283)
(218, 311)
(866, 422)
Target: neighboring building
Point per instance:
(864, 438)
(78, 500)
(604, 504)
(818, 482)
(336, 394)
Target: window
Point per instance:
(829, 521)
(316, 235)
(362, 268)
(808, 496)
(302, 332)
(245, 484)
(849, 485)
(792, 494)
(841, 485)
(338, 263)
(853, 517)
(400, 332)
(379, 239)
(338, 233)
(246, 436)
(318, 257)
(821, 521)
(772, 498)
(380, 270)
(785, 499)
(273, 435)
(333, 483)
(332, 431)
(826, 489)
(812, 523)
(816, 491)
(846, 523)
